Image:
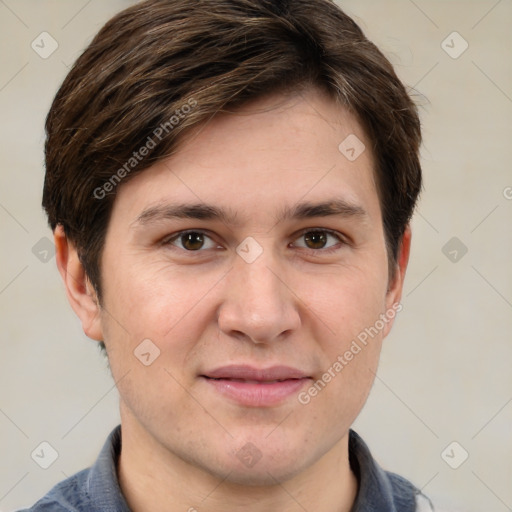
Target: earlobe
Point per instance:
(79, 290)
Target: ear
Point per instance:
(79, 290)
(396, 284)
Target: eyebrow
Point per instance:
(201, 211)
(198, 211)
(307, 210)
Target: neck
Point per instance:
(153, 479)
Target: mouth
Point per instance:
(249, 381)
(256, 387)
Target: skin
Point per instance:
(297, 304)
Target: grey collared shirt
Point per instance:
(97, 488)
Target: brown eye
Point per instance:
(319, 240)
(315, 239)
(192, 241)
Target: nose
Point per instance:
(258, 304)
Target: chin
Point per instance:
(274, 463)
(263, 473)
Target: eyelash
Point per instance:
(328, 232)
(341, 240)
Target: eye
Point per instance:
(318, 239)
(191, 241)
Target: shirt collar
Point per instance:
(379, 491)
(102, 484)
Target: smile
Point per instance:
(253, 387)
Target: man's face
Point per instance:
(252, 258)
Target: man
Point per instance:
(230, 185)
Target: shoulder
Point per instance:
(93, 489)
(399, 484)
(402, 487)
(70, 495)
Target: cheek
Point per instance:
(350, 350)
(157, 301)
(346, 303)
(152, 304)
(349, 331)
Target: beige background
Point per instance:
(445, 373)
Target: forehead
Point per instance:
(268, 155)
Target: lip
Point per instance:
(256, 387)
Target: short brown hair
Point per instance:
(158, 56)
